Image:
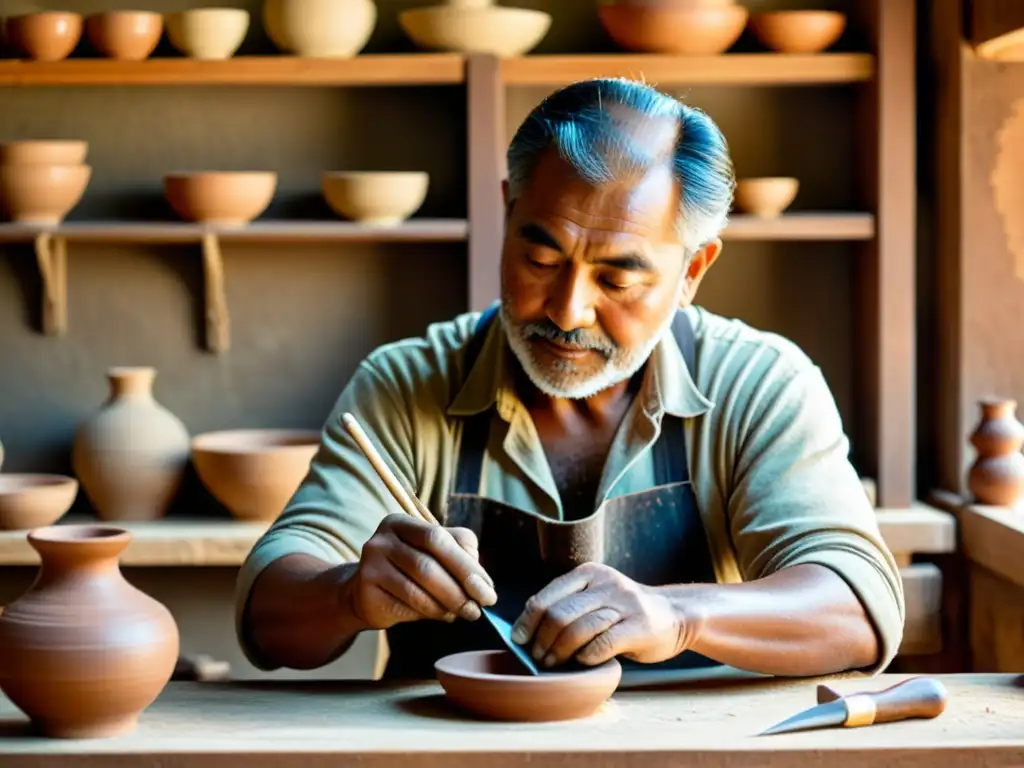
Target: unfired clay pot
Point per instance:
(476, 26)
(33, 500)
(208, 33)
(83, 652)
(997, 475)
(766, 196)
(131, 455)
(383, 198)
(320, 28)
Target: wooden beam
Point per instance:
(997, 29)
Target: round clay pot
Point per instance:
(83, 652)
(125, 35)
(798, 31)
(42, 194)
(766, 197)
(375, 197)
(43, 152)
(476, 28)
(254, 472)
(494, 685)
(33, 500)
(667, 29)
(47, 35)
(131, 455)
(221, 198)
(208, 33)
(997, 475)
(320, 28)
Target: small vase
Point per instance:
(82, 651)
(997, 475)
(131, 455)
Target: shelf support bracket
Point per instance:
(52, 258)
(218, 327)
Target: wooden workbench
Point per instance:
(377, 725)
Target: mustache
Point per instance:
(578, 337)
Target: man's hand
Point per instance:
(411, 570)
(594, 613)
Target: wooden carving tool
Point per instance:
(918, 697)
(413, 506)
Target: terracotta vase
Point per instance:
(997, 475)
(131, 455)
(83, 652)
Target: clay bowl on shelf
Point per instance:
(254, 472)
(208, 33)
(320, 28)
(660, 28)
(493, 685)
(767, 196)
(34, 500)
(43, 151)
(476, 26)
(47, 35)
(798, 31)
(221, 198)
(41, 193)
(375, 197)
(125, 35)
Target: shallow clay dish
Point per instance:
(798, 31)
(254, 472)
(476, 26)
(375, 197)
(667, 29)
(33, 500)
(43, 151)
(125, 35)
(45, 36)
(223, 198)
(493, 685)
(766, 197)
(41, 194)
(208, 33)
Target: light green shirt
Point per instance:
(768, 457)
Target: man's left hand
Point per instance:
(594, 613)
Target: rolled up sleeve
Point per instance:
(797, 499)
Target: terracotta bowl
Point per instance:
(476, 28)
(222, 198)
(766, 197)
(665, 29)
(125, 35)
(45, 36)
(42, 194)
(32, 501)
(687, 5)
(798, 31)
(375, 197)
(45, 151)
(493, 685)
(254, 472)
(208, 33)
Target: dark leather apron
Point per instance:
(655, 537)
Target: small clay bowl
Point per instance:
(208, 33)
(766, 197)
(42, 194)
(43, 152)
(45, 36)
(494, 685)
(384, 198)
(221, 198)
(798, 31)
(30, 501)
(704, 31)
(125, 35)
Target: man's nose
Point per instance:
(571, 305)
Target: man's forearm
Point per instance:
(300, 612)
(801, 621)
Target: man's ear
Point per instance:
(700, 263)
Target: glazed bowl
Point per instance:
(47, 35)
(476, 27)
(254, 472)
(798, 31)
(375, 197)
(221, 198)
(41, 193)
(125, 35)
(494, 685)
(30, 501)
(208, 33)
(705, 31)
(766, 196)
(43, 151)
(320, 28)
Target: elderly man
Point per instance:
(652, 482)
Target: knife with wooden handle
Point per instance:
(918, 697)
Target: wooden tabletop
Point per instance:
(378, 725)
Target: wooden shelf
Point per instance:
(364, 70)
(727, 69)
(802, 226)
(413, 230)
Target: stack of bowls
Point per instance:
(683, 27)
(42, 180)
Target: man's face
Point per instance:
(591, 276)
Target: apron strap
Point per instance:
(671, 461)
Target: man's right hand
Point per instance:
(411, 570)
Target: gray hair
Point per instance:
(584, 122)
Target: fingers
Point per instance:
(431, 577)
(620, 638)
(538, 605)
(586, 631)
(559, 617)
